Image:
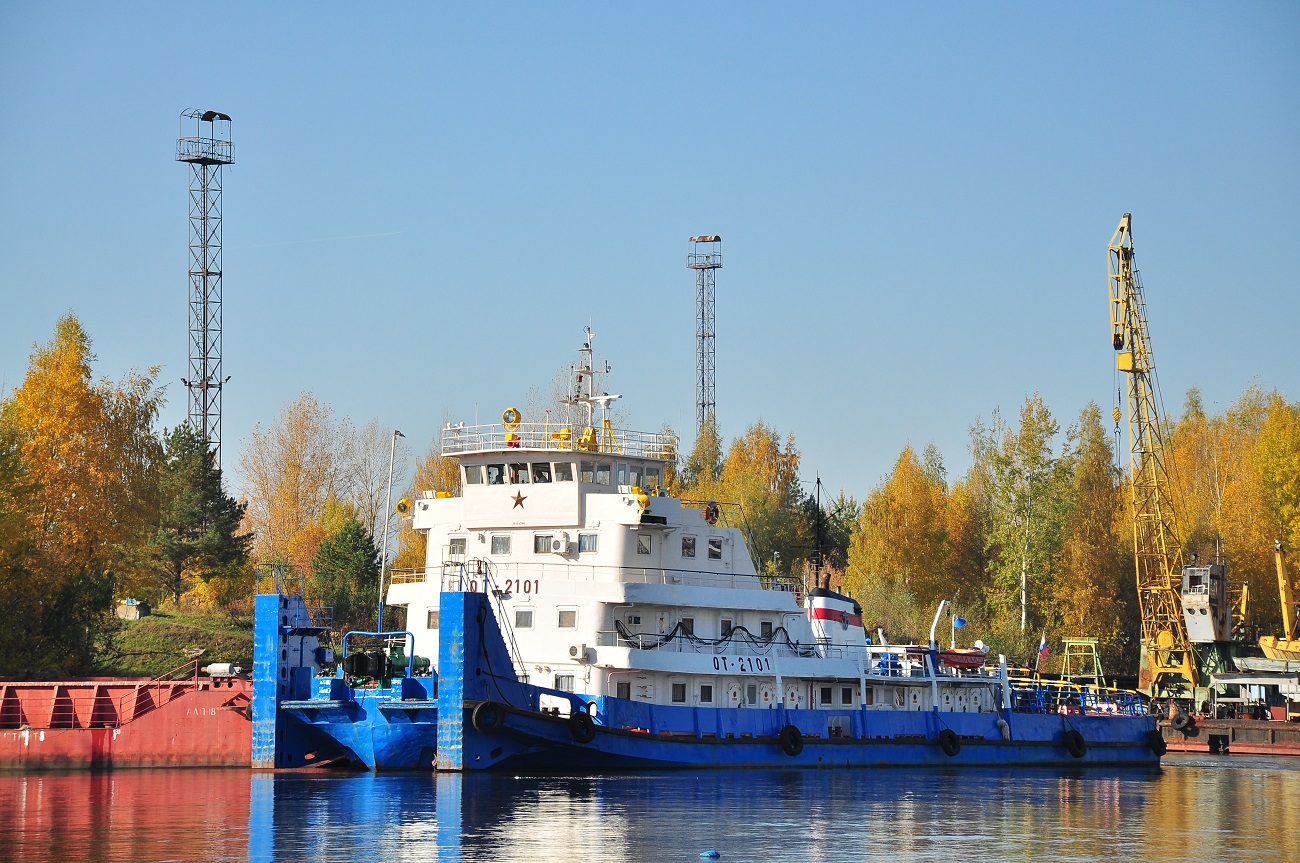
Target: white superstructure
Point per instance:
(604, 585)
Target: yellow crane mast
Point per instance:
(1168, 666)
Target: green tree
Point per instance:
(197, 528)
(345, 573)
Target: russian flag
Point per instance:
(1042, 645)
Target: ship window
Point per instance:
(765, 629)
(634, 476)
(726, 627)
(523, 618)
(827, 698)
(652, 477)
(715, 548)
(688, 546)
(456, 547)
(586, 471)
(496, 474)
(679, 693)
(751, 693)
(542, 471)
(588, 541)
(623, 689)
(501, 544)
(846, 695)
(432, 622)
(869, 695)
(634, 619)
(564, 682)
(602, 474)
(542, 543)
(706, 693)
(568, 618)
(688, 626)
(564, 471)
(643, 543)
(473, 474)
(518, 473)
(622, 473)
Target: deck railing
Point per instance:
(491, 437)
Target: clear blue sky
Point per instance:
(429, 201)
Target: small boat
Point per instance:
(579, 617)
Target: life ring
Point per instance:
(510, 418)
(1182, 722)
(949, 742)
(1075, 744)
(711, 512)
(581, 726)
(791, 740)
(487, 717)
(1156, 741)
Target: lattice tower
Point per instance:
(705, 258)
(206, 149)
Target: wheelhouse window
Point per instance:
(541, 471)
(634, 476)
(473, 474)
(715, 548)
(501, 544)
(542, 543)
(432, 622)
(622, 473)
(523, 618)
(652, 477)
(567, 618)
(587, 471)
(519, 473)
(643, 543)
(564, 471)
(496, 474)
(688, 546)
(588, 542)
(679, 693)
(602, 474)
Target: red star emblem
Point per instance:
(519, 500)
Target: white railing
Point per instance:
(492, 437)
(503, 571)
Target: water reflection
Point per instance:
(1239, 808)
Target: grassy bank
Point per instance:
(156, 644)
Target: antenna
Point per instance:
(206, 149)
(705, 257)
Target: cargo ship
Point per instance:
(573, 615)
(187, 717)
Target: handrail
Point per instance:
(191, 675)
(492, 437)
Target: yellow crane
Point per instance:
(1167, 663)
(1288, 646)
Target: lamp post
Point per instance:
(388, 509)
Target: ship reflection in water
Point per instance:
(1237, 808)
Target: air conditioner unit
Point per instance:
(558, 546)
(578, 652)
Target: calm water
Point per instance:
(1237, 808)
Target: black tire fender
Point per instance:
(1182, 721)
(581, 726)
(791, 740)
(1156, 741)
(1075, 744)
(487, 717)
(949, 742)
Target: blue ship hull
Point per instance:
(432, 723)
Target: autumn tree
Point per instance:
(290, 469)
(365, 470)
(86, 450)
(197, 532)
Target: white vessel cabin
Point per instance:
(604, 585)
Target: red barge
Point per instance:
(181, 719)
